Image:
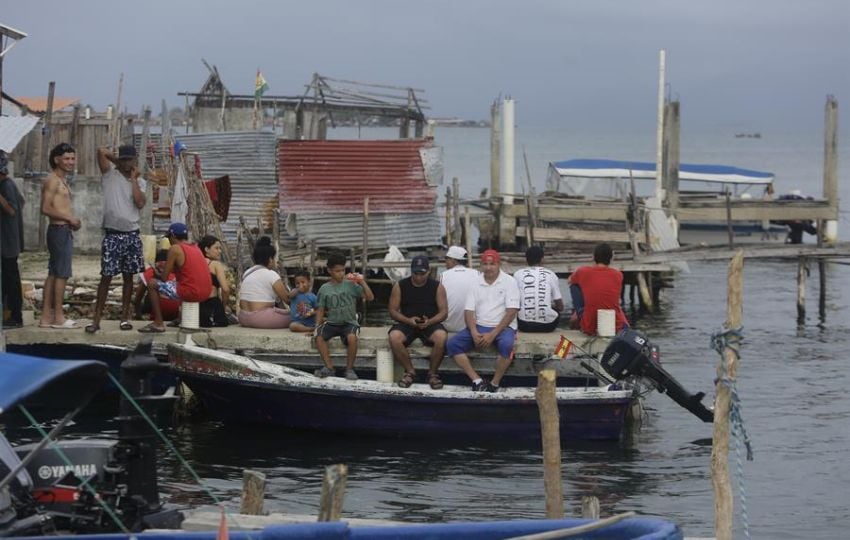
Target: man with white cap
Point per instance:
(457, 280)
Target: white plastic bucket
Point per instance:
(384, 366)
(606, 322)
(190, 315)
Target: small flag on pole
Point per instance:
(563, 347)
(260, 85)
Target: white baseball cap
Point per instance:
(456, 252)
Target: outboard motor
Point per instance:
(130, 482)
(630, 354)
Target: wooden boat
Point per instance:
(242, 389)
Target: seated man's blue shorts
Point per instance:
(168, 289)
(463, 342)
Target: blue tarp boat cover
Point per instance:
(610, 168)
(628, 529)
(65, 384)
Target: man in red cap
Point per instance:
(490, 314)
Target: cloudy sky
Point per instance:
(730, 62)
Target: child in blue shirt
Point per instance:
(302, 305)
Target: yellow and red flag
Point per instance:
(563, 347)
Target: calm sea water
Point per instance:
(792, 381)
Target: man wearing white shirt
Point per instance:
(457, 280)
(490, 314)
(541, 302)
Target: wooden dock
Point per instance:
(296, 349)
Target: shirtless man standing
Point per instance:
(56, 205)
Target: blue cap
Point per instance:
(419, 264)
(177, 229)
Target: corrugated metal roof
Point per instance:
(13, 129)
(39, 104)
(322, 176)
(346, 230)
(249, 158)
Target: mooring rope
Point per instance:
(731, 339)
(85, 481)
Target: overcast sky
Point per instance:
(753, 64)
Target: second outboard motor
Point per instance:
(630, 353)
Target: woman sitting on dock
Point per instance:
(215, 309)
(261, 288)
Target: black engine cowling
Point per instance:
(630, 353)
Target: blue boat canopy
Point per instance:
(65, 384)
(610, 168)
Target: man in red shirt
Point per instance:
(597, 287)
(193, 283)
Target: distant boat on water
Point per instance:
(754, 135)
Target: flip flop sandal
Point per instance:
(406, 379)
(125, 325)
(92, 328)
(151, 329)
(67, 325)
(435, 381)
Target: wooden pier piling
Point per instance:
(726, 369)
(333, 492)
(253, 492)
(551, 436)
(589, 507)
(802, 272)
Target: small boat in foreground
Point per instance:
(242, 389)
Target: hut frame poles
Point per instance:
(726, 369)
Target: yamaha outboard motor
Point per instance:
(630, 354)
(129, 482)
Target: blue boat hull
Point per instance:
(627, 529)
(401, 416)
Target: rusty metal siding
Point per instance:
(335, 176)
(346, 230)
(249, 158)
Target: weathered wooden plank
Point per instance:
(574, 235)
(771, 251)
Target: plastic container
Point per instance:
(606, 322)
(190, 315)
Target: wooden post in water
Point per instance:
(728, 367)
(467, 230)
(589, 507)
(802, 271)
(365, 235)
(333, 492)
(671, 135)
(253, 492)
(550, 430)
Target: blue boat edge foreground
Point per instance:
(635, 528)
(242, 389)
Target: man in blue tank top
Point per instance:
(418, 305)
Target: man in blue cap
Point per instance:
(193, 283)
(418, 305)
(121, 250)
